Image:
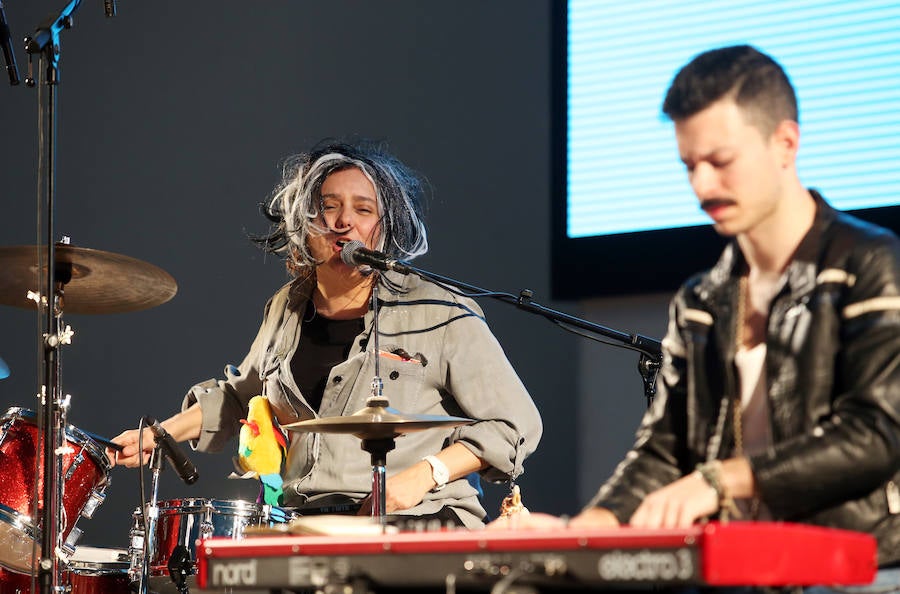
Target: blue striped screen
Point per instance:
(623, 172)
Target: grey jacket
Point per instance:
(457, 368)
(833, 379)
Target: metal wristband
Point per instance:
(711, 473)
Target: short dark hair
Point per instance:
(758, 84)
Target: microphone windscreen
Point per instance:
(349, 251)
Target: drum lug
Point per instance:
(136, 554)
(93, 502)
(76, 462)
(68, 547)
(206, 529)
(4, 429)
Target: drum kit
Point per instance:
(97, 282)
(87, 281)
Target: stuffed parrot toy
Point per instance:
(262, 448)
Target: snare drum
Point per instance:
(182, 521)
(97, 571)
(89, 570)
(85, 469)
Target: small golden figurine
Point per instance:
(512, 504)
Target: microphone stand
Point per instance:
(650, 349)
(46, 43)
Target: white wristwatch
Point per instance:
(439, 472)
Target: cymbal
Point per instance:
(98, 282)
(376, 422)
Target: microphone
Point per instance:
(182, 465)
(354, 253)
(8, 53)
(109, 8)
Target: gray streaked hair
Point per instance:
(295, 207)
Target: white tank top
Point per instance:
(756, 430)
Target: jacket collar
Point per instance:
(801, 271)
(303, 286)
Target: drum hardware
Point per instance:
(47, 292)
(76, 462)
(377, 425)
(4, 427)
(136, 555)
(100, 282)
(86, 281)
(86, 481)
(152, 513)
(45, 44)
(180, 524)
(93, 502)
(71, 543)
(89, 570)
(181, 565)
(206, 526)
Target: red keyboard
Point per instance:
(739, 553)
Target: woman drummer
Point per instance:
(314, 354)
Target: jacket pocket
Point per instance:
(402, 377)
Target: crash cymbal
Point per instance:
(95, 282)
(376, 422)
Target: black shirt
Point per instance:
(324, 343)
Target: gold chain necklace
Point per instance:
(737, 417)
(739, 342)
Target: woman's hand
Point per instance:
(182, 426)
(403, 490)
(130, 456)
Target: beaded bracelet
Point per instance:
(711, 473)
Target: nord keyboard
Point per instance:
(739, 553)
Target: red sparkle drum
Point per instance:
(98, 571)
(85, 475)
(90, 570)
(12, 582)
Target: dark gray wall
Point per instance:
(173, 118)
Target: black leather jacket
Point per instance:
(833, 373)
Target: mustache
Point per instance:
(715, 202)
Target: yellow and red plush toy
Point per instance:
(262, 448)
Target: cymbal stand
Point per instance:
(45, 43)
(151, 517)
(378, 446)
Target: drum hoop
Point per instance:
(18, 520)
(94, 450)
(220, 506)
(98, 567)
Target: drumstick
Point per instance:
(103, 441)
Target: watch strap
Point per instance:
(439, 472)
